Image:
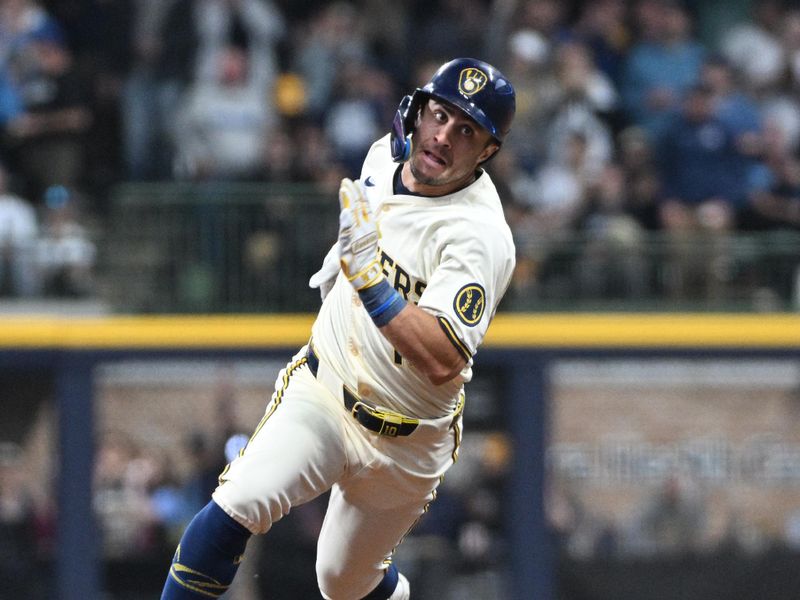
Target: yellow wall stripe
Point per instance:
(646, 331)
(507, 331)
(218, 331)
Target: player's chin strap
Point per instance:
(401, 134)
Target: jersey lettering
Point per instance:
(402, 282)
(410, 288)
(386, 260)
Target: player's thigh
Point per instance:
(359, 535)
(295, 454)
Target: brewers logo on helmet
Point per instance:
(471, 81)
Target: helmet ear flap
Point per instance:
(400, 140)
(403, 127)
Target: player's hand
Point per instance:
(358, 238)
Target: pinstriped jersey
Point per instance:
(452, 255)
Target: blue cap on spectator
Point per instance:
(49, 32)
(56, 196)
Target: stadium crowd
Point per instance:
(633, 117)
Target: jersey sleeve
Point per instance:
(467, 285)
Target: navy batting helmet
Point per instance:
(474, 86)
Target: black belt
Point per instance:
(381, 422)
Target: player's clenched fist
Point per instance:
(358, 237)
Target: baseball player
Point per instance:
(371, 409)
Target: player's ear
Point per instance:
(489, 151)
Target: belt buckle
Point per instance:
(355, 408)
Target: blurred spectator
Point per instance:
(778, 207)
(10, 102)
(674, 519)
(561, 186)
(561, 98)
(65, 254)
(580, 96)
(17, 526)
(661, 66)
(612, 263)
(46, 140)
(543, 216)
(206, 463)
(281, 158)
(778, 102)
(643, 183)
(737, 110)
(754, 47)
(149, 476)
(603, 27)
(255, 25)
(546, 17)
(359, 114)
(137, 501)
(19, 230)
(790, 40)
(536, 29)
(742, 117)
(700, 165)
(101, 34)
(317, 161)
(223, 125)
(331, 39)
(19, 21)
(122, 512)
(704, 188)
(164, 46)
(529, 66)
(577, 531)
(388, 36)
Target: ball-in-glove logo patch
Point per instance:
(470, 303)
(471, 81)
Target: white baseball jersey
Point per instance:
(452, 255)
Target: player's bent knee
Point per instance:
(337, 583)
(259, 509)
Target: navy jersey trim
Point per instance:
(454, 339)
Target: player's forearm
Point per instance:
(415, 334)
(417, 337)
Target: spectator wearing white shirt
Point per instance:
(223, 124)
(19, 228)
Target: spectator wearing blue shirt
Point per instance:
(10, 102)
(661, 66)
(700, 160)
(742, 116)
(704, 186)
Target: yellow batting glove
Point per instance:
(358, 238)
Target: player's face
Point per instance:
(448, 146)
